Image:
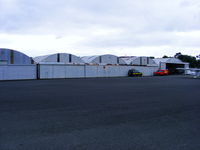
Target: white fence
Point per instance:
(17, 72)
(50, 71)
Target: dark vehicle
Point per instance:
(134, 73)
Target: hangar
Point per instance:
(140, 61)
(59, 58)
(13, 57)
(171, 64)
(15, 65)
(103, 60)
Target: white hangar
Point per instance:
(140, 61)
(103, 60)
(15, 65)
(64, 58)
(13, 57)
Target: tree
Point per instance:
(177, 55)
(190, 59)
(198, 64)
(165, 56)
(152, 57)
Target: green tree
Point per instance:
(177, 54)
(198, 64)
(165, 56)
(190, 59)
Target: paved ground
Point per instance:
(150, 113)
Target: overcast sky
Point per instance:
(92, 27)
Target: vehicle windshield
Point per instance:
(134, 71)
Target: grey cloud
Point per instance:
(138, 16)
(141, 22)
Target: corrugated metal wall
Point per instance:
(17, 72)
(49, 71)
(52, 71)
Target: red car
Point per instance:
(161, 72)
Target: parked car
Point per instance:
(190, 72)
(161, 72)
(134, 73)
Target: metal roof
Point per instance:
(94, 59)
(89, 59)
(129, 59)
(169, 60)
(44, 58)
(40, 58)
(10, 56)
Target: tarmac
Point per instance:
(135, 113)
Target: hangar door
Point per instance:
(172, 68)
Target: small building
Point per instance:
(139, 61)
(13, 57)
(103, 60)
(171, 64)
(64, 58)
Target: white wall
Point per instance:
(106, 71)
(52, 71)
(48, 71)
(17, 72)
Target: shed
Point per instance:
(171, 64)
